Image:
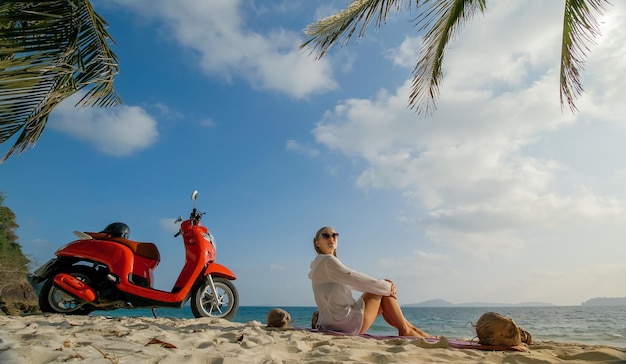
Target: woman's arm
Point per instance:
(338, 272)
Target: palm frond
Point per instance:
(325, 32)
(50, 50)
(442, 21)
(579, 29)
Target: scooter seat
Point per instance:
(147, 250)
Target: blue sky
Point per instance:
(499, 196)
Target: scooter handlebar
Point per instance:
(194, 217)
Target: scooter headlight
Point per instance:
(208, 236)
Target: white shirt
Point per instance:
(332, 284)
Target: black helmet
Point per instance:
(117, 230)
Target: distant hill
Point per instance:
(444, 303)
(431, 303)
(606, 301)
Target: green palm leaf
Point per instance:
(441, 21)
(324, 33)
(50, 50)
(579, 28)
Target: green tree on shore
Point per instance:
(13, 263)
(49, 50)
(441, 20)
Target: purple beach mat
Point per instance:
(430, 342)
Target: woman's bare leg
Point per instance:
(392, 313)
(372, 309)
(419, 331)
(391, 309)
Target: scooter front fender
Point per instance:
(220, 271)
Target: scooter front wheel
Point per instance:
(222, 303)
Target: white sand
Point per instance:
(60, 339)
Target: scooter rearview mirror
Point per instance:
(194, 196)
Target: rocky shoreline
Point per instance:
(18, 298)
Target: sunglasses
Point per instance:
(328, 236)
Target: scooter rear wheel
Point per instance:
(223, 305)
(53, 299)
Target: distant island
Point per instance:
(605, 301)
(444, 303)
(598, 301)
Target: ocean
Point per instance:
(591, 325)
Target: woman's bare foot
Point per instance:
(419, 333)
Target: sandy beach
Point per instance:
(60, 339)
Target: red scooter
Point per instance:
(106, 271)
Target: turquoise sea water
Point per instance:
(575, 324)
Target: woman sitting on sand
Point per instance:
(333, 283)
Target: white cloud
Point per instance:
(216, 31)
(327, 9)
(208, 123)
(297, 147)
(407, 54)
(603, 78)
(117, 131)
(39, 243)
(468, 164)
(599, 280)
(168, 225)
(167, 112)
